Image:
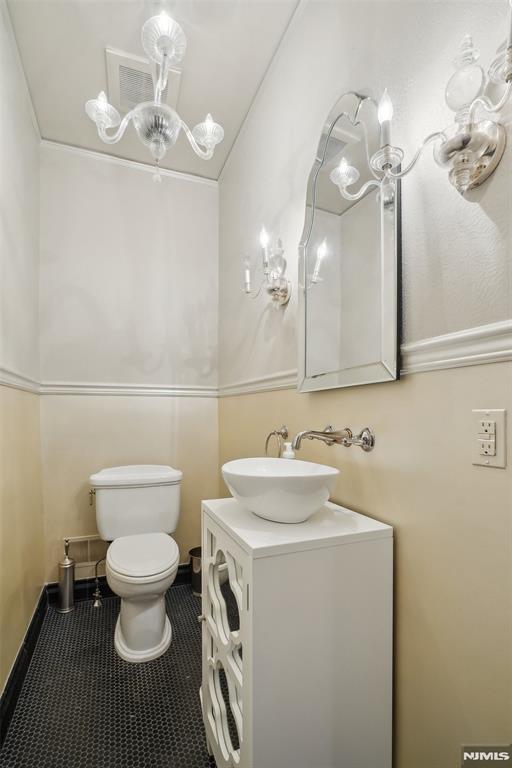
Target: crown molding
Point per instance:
(490, 343)
(144, 167)
(14, 45)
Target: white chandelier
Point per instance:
(157, 125)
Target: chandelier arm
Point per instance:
(487, 104)
(163, 72)
(115, 137)
(399, 174)
(207, 154)
(362, 191)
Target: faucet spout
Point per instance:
(329, 436)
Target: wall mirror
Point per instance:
(349, 270)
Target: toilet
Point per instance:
(137, 507)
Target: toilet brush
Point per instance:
(97, 602)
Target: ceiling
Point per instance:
(230, 46)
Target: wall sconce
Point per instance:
(273, 265)
(470, 149)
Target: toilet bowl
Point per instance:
(140, 569)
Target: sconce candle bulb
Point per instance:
(264, 238)
(321, 252)
(385, 115)
(264, 241)
(246, 266)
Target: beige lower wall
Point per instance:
(82, 434)
(21, 521)
(453, 530)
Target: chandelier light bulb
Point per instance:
(344, 175)
(208, 133)
(264, 238)
(102, 113)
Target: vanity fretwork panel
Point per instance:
(297, 639)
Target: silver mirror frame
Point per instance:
(388, 368)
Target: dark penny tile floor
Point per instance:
(81, 706)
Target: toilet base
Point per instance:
(137, 657)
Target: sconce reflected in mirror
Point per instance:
(349, 266)
(273, 268)
(321, 253)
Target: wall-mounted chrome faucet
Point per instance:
(331, 436)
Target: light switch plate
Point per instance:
(497, 416)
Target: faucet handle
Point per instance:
(365, 440)
(281, 434)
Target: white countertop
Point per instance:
(329, 527)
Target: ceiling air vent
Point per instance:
(130, 81)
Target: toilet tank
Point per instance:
(141, 498)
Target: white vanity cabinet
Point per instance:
(297, 641)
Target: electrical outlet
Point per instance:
(487, 427)
(489, 438)
(487, 447)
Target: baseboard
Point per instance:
(15, 680)
(83, 590)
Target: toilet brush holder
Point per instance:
(66, 582)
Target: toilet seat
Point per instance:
(143, 558)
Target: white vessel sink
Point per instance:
(281, 490)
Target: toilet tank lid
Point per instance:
(135, 474)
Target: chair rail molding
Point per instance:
(147, 390)
(11, 378)
(491, 343)
(269, 383)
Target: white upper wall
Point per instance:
(457, 271)
(129, 273)
(19, 221)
